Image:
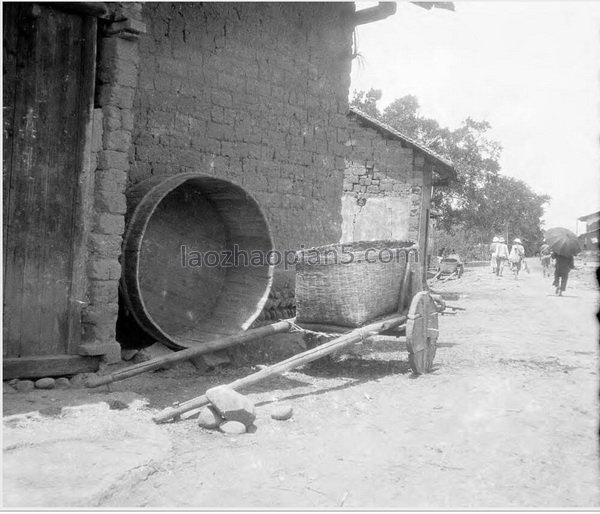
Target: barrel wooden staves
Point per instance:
(195, 259)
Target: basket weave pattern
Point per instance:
(350, 284)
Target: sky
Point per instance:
(530, 68)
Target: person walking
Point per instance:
(493, 252)
(561, 272)
(545, 258)
(501, 255)
(517, 254)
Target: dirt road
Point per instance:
(508, 419)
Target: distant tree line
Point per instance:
(482, 203)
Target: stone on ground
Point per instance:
(209, 418)
(7, 388)
(152, 352)
(232, 427)
(282, 412)
(210, 361)
(62, 383)
(127, 355)
(80, 379)
(45, 383)
(232, 405)
(24, 385)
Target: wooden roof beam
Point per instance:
(379, 12)
(97, 9)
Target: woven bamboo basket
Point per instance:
(352, 283)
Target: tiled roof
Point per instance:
(592, 216)
(444, 167)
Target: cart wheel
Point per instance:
(422, 332)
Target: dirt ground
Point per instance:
(508, 419)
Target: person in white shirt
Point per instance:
(501, 255)
(517, 254)
(493, 253)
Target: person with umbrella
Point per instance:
(564, 245)
(545, 258)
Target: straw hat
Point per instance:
(517, 240)
(495, 240)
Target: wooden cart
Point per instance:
(451, 265)
(416, 323)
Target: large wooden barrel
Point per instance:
(195, 259)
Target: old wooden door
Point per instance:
(49, 59)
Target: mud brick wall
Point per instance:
(116, 80)
(253, 93)
(381, 168)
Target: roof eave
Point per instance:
(442, 167)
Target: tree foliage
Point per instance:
(482, 202)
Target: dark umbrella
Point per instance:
(563, 241)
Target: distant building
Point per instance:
(589, 239)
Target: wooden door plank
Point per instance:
(9, 54)
(18, 184)
(48, 366)
(83, 201)
(9, 50)
(35, 212)
(58, 177)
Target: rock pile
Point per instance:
(22, 386)
(232, 413)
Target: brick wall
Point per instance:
(116, 80)
(387, 187)
(253, 93)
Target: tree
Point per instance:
(367, 101)
(509, 207)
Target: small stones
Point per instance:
(79, 380)
(153, 352)
(62, 383)
(127, 355)
(232, 427)
(141, 356)
(45, 383)
(282, 412)
(209, 418)
(7, 388)
(51, 411)
(231, 405)
(117, 405)
(24, 385)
